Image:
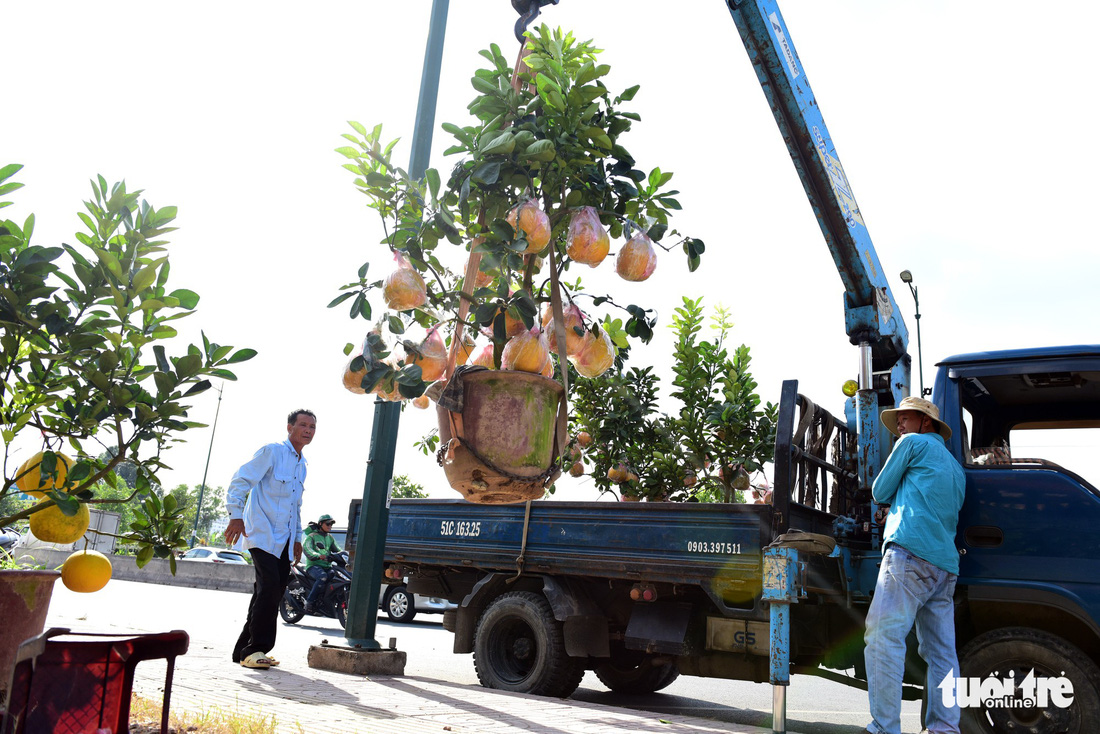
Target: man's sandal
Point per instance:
(257, 660)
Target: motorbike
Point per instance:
(334, 598)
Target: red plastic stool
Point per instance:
(82, 684)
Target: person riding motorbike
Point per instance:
(320, 550)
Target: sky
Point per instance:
(959, 125)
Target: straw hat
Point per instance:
(927, 407)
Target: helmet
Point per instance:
(324, 518)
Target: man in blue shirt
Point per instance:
(924, 486)
(265, 506)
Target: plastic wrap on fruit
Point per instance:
(574, 319)
(430, 355)
(587, 241)
(527, 352)
(596, 356)
(533, 222)
(404, 289)
(637, 259)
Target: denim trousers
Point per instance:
(910, 590)
(320, 576)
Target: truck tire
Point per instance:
(1018, 650)
(635, 673)
(399, 604)
(519, 647)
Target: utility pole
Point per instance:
(202, 487)
(374, 512)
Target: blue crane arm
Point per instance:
(871, 314)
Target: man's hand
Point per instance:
(880, 516)
(233, 531)
(297, 552)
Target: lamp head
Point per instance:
(906, 276)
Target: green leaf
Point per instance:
(487, 173)
(242, 355)
(188, 299)
(341, 298)
(432, 177)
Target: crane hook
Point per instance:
(528, 10)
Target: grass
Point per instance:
(145, 719)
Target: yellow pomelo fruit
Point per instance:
(86, 571)
(54, 526)
(33, 483)
(527, 352)
(534, 223)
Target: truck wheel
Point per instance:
(1016, 651)
(630, 672)
(399, 604)
(519, 647)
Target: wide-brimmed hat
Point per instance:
(927, 407)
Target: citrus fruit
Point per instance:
(574, 319)
(54, 526)
(587, 240)
(465, 349)
(637, 260)
(353, 379)
(595, 356)
(30, 476)
(484, 357)
(404, 288)
(86, 571)
(432, 356)
(526, 352)
(534, 223)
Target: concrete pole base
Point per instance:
(356, 660)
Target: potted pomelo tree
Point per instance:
(545, 185)
(84, 367)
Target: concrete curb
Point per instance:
(193, 574)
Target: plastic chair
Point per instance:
(82, 684)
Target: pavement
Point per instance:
(309, 701)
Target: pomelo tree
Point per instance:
(87, 377)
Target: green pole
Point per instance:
(366, 578)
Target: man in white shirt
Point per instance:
(265, 507)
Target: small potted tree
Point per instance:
(544, 187)
(88, 383)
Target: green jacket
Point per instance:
(317, 546)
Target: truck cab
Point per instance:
(1027, 431)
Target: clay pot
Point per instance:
(508, 423)
(24, 601)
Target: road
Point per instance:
(213, 620)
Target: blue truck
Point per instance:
(641, 593)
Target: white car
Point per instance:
(214, 555)
(401, 606)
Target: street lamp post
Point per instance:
(202, 487)
(907, 278)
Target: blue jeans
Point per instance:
(909, 590)
(320, 576)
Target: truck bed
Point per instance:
(712, 545)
